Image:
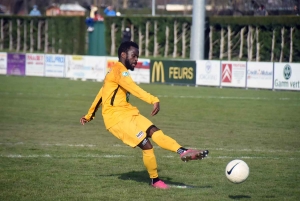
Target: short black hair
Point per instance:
(125, 46)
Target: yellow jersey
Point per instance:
(114, 96)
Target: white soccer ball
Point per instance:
(237, 171)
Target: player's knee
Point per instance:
(145, 144)
(152, 129)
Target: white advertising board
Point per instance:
(85, 67)
(287, 76)
(54, 65)
(141, 73)
(233, 73)
(260, 75)
(35, 65)
(3, 62)
(208, 72)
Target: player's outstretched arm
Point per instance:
(156, 109)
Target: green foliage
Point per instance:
(66, 35)
(265, 25)
(45, 154)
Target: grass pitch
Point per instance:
(45, 154)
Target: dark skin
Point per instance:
(129, 60)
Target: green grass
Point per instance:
(45, 154)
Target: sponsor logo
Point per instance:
(208, 76)
(125, 73)
(158, 72)
(229, 172)
(226, 73)
(181, 73)
(140, 134)
(287, 72)
(259, 74)
(208, 67)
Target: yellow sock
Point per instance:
(150, 162)
(165, 141)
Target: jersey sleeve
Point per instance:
(127, 83)
(94, 107)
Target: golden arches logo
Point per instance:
(158, 68)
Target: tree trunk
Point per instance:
(210, 54)
(229, 43)
(39, 38)
(132, 32)
(10, 36)
(282, 44)
(175, 39)
(31, 36)
(222, 44)
(257, 44)
(141, 40)
(273, 45)
(18, 35)
(147, 39)
(291, 44)
(250, 43)
(184, 35)
(46, 37)
(2, 34)
(167, 42)
(25, 37)
(113, 39)
(241, 43)
(156, 44)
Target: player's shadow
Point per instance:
(142, 176)
(239, 197)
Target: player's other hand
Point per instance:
(156, 109)
(83, 120)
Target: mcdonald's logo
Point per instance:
(157, 70)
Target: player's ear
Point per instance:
(123, 55)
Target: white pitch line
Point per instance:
(124, 156)
(165, 96)
(156, 147)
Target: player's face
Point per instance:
(131, 58)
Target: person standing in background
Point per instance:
(35, 11)
(109, 11)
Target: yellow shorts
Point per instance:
(131, 130)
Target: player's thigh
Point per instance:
(131, 130)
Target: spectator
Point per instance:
(94, 16)
(296, 11)
(262, 11)
(109, 11)
(126, 35)
(35, 11)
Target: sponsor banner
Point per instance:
(287, 76)
(85, 67)
(178, 72)
(208, 72)
(260, 75)
(35, 64)
(3, 62)
(141, 73)
(54, 65)
(16, 64)
(233, 73)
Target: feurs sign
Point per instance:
(181, 72)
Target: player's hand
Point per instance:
(156, 109)
(83, 120)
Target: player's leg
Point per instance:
(132, 131)
(169, 143)
(150, 163)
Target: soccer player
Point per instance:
(124, 120)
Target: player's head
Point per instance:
(128, 54)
